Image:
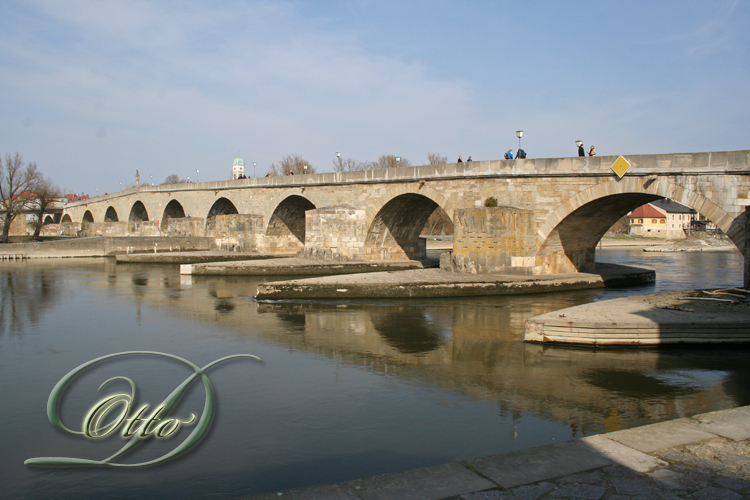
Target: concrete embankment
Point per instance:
(192, 257)
(297, 267)
(440, 283)
(100, 246)
(706, 456)
(648, 320)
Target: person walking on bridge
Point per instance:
(460, 160)
(509, 155)
(581, 151)
(592, 151)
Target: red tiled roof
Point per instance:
(647, 212)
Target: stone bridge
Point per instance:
(551, 212)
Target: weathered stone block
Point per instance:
(335, 233)
(238, 232)
(494, 240)
(185, 226)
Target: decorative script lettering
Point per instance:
(134, 425)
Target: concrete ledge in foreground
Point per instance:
(706, 456)
(192, 257)
(648, 320)
(439, 283)
(295, 267)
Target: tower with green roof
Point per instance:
(238, 168)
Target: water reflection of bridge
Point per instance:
(469, 346)
(466, 346)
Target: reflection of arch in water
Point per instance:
(138, 213)
(395, 229)
(111, 215)
(407, 329)
(173, 210)
(286, 228)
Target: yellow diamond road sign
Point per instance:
(620, 166)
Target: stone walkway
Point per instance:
(706, 457)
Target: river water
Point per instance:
(346, 389)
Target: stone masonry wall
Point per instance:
(184, 226)
(494, 240)
(238, 232)
(335, 233)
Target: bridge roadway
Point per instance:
(551, 214)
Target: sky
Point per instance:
(93, 91)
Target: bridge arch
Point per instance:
(222, 206)
(173, 210)
(394, 230)
(567, 239)
(88, 217)
(48, 220)
(111, 215)
(285, 232)
(138, 212)
(66, 218)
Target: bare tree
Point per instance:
(389, 161)
(351, 165)
(16, 177)
(436, 159)
(293, 164)
(46, 192)
(173, 179)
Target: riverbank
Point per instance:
(701, 317)
(706, 456)
(426, 283)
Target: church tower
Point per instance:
(238, 168)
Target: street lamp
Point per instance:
(196, 175)
(305, 169)
(519, 134)
(398, 161)
(152, 179)
(579, 143)
(188, 179)
(120, 185)
(253, 169)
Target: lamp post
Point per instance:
(253, 169)
(196, 175)
(398, 161)
(188, 179)
(152, 179)
(338, 157)
(519, 134)
(579, 143)
(305, 169)
(120, 185)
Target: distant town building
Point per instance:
(662, 219)
(238, 168)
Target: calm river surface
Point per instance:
(346, 389)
